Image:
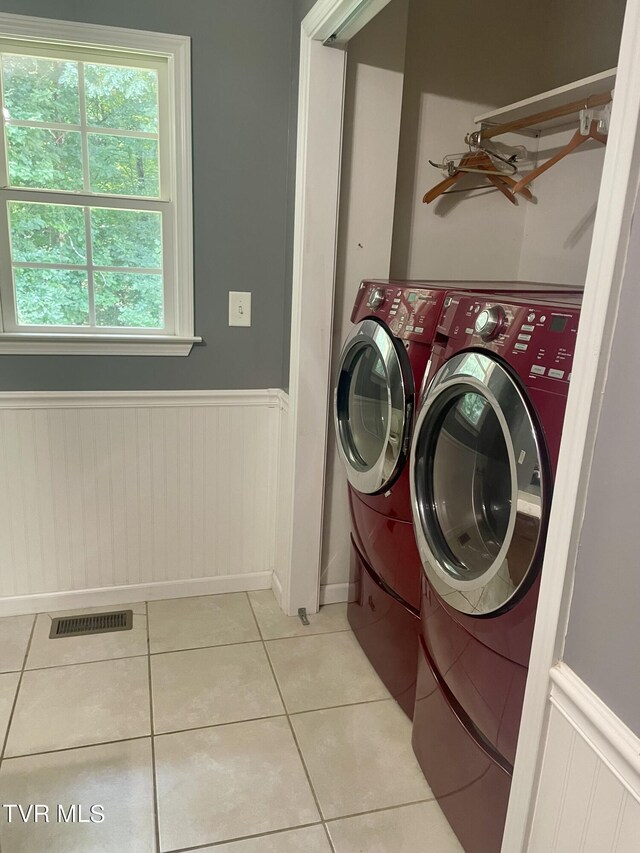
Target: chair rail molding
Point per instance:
(588, 796)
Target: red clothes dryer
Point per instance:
(484, 454)
(381, 371)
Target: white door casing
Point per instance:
(318, 161)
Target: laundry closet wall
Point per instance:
(463, 60)
(167, 486)
(455, 61)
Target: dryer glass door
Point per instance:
(372, 407)
(478, 485)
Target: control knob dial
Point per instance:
(489, 322)
(377, 298)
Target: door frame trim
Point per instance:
(321, 96)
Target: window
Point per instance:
(95, 195)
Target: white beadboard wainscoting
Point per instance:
(109, 497)
(588, 797)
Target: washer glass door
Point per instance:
(477, 485)
(372, 407)
(472, 483)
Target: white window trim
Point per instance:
(177, 50)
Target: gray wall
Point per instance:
(300, 9)
(244, 53)
(603, 641)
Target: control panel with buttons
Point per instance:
(538, 340)
(411, 312)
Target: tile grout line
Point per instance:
(18, 686)
(77, 746)
(237, 838)
(322, 823)
(84, 663)
(291, 729)
(378, 810)
(156, 815)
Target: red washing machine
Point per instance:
(381, 370)
(382, 363)
(483, 459)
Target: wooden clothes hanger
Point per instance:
(478, 161)
(576, 141)
(508, 186)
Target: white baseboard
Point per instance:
(126, 594)
(588, 797)
(334, 593)
(276, 586)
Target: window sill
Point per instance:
(25, 343)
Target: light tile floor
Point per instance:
(216, 724)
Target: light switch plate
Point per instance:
(239, 308)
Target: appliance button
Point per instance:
(522, 347)
(524, 337)
(555, 374)
(528, 328)
(409, 328)
(468, 331)
(538, 369)
(392, 313)
(543, 318)
(418, 331)
(531, 317)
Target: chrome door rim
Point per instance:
(382, 474)
(494, 588)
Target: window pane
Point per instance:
(45, 159)
(51, 297)
(122, 98)
(41, 89)
(123, 165)
(126, 238)
(128, 300)
(47, 233)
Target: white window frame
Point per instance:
(171, 56)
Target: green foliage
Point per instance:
(126, 238)
(116, 98)
(44, 158)
(128, 299)
(124, 98)
(47, 233)
(51, 297)
(123, 165)
(41, 89)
